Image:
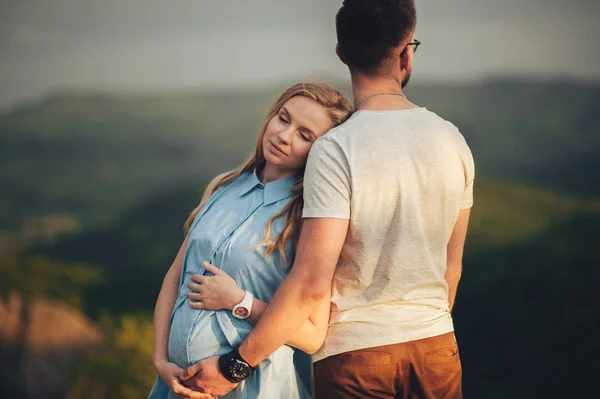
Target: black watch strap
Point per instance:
(233, 367)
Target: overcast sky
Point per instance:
(124, 45)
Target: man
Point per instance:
(390, 190)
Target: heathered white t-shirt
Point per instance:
(401, 177)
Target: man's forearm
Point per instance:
(452, 281)
(309, 281)
(454, 253)
(291, 306)
(311, 333)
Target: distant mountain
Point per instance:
(78, 160)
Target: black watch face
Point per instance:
(240, 370)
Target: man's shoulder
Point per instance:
(445, 126)
(334, 140)
(338, 133)
(432, 116)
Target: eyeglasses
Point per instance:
(414, 43)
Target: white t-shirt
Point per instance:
(401, 177)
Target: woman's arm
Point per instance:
(169, 372)
(168, 294)
(164, 307)
(222, 292)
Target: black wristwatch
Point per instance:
(234, 367)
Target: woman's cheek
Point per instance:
(303, 155)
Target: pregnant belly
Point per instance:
(195, 335)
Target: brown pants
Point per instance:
(425, 369)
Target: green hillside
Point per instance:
(86, 158)
(78, 160)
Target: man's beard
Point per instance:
(406, 78)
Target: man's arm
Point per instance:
(220, 291)
(454, 255)
(309, 281)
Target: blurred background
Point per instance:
(115, 114)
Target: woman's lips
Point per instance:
(277, 149)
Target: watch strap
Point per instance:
(227, 362)
(243, 309)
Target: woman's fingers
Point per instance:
(194, 287)
(212, 269)
(196, 304)
(199, 278)
(194, 296)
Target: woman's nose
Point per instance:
(285, 134)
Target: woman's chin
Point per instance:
(272, 159)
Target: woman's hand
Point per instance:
(170, 373)
(214, 292)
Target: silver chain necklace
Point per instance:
(378, 94)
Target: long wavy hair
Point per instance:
(338, 109)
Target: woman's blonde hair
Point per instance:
(338, 109)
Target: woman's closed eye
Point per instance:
(283, 119)
(304, 136)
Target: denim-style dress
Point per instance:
(225, 234)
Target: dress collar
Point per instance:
(273, 191)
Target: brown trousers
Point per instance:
(423, 369)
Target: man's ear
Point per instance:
(340, 55)
(405, 60)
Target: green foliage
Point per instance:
(527, 281)
(508, 213)
(134, 254)
(525, 308)
(34, 276)
(122, 366)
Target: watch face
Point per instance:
(241, 312)
(240, 370)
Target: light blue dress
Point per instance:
(225, 234)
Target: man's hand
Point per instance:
(170, 374)
(205, 377)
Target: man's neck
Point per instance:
(364, 86)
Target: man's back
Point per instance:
(401, 177)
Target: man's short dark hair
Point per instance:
(367, 30)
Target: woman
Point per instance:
(246, 226)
